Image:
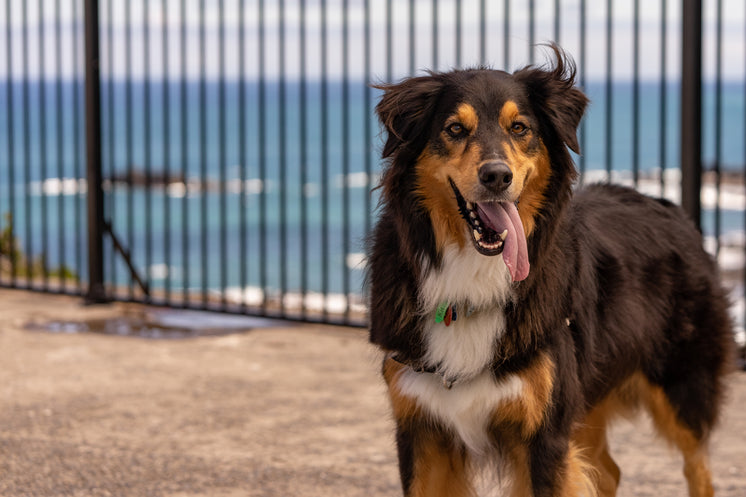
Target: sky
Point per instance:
(149, 18)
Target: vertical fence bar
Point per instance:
(129, 139)
(243, 256)
(12, 254)
(663, 101)
(583, 72)
(459, 21)
(223, 159)
(79, 168)
(303, 137)
(368, 128)
(389, 39)
(717, 166)
(262, 159)
(434, 36)
(636, 93)
(96, 290)
(148, 149)
(412, 36)
(282, 143)
(110, 199)
(42, 82)
(557, 17)
(691, 109)
(303, 161)
(203, 152)
(26, 144)
(166, 109)
(506, 35)
(61, 245)
(325, 154)
(482, 31)
(531, 31)
(609, 88)
(346, 150)
(184, 114)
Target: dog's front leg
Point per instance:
(429, 463)
(551, 467)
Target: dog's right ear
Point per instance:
(405, 110)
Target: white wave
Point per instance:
(356, 180)
(332, 303)
(53, 187)
(356, 260)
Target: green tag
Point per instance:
(440, 312)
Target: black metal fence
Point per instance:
(231, 146)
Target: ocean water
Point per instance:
(281, 202)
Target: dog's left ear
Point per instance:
(405, 110)
(555, 95)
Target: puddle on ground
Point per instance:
(160, 324)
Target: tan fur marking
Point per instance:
(402, 406)
(521, 475)
(637, 392)
(534, 186)
(530, 179)
(529, 410)
(508, 114)
(530, 171)
(439, 471)
(436, 193)
(696, 469)
(577, 477)
(466, 115)
(591, 437)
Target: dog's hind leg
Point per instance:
(692, 445)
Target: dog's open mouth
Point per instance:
(496, 228)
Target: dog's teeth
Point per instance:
(470, 206)
(504, 235)
(473, 215)
(477, 235)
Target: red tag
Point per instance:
(449, 315)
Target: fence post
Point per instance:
(691, 109)
(95, 199)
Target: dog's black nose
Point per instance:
(496, 176)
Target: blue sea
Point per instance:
(293, 184)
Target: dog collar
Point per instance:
(447, 312)
(420, 367)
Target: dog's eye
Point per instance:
(518, 128)
(456, 130)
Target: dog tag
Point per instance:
(448, 316)
(440, 312)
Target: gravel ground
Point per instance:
(289, 410)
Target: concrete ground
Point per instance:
(289, 410)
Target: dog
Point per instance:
(518, 316)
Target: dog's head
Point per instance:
(479, 147)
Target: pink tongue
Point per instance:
(500, 216)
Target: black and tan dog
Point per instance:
(519, 317)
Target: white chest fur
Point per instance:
(467, 407)
(465, 349)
